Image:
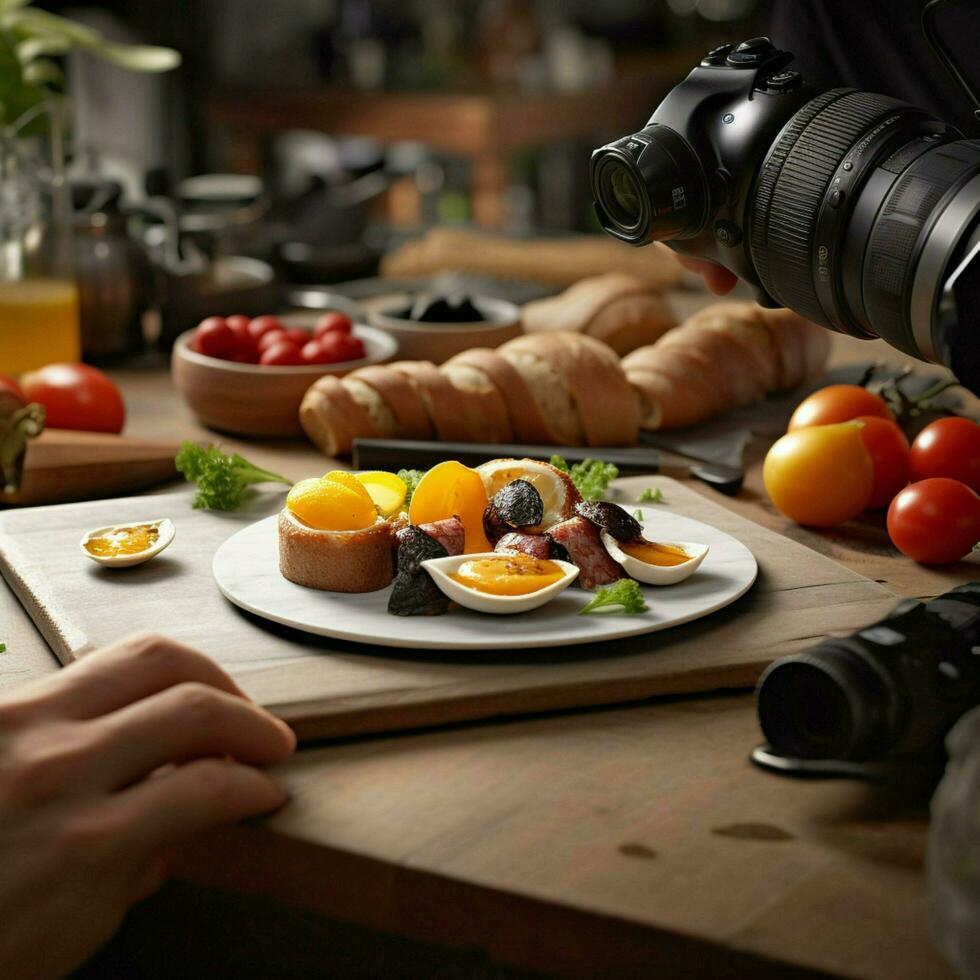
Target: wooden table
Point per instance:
(628, 841)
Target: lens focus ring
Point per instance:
(792, 186)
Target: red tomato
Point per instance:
(313, 353)
(76, 396)
(298, 336)
(935, 521)
(8, 383)
(889, 451)
(246, 346)
(837, 403)
(341, 347)
(947, 447)
(332, 321)
(216, 339)
(270, 337)
(261, 325)
(281, 354)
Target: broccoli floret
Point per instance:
(591, 477)
(651, 495)
(624, 593)
(221, 479)
(411, 480)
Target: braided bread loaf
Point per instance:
(568, 389)
(722, 358)
(554, 389)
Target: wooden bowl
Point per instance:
(255, 399)
(437, 342)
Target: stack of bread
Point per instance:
(567, 388)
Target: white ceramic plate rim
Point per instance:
(385, 345)
(466, 630)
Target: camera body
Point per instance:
(890, 689)
(856, 210)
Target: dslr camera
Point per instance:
(856, 210)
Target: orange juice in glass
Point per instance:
(38, 323)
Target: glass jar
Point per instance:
(38, 296)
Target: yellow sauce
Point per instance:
(508, 574)
(127, 541)
(655, 554)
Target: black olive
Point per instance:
(611, 518)
(519, 504)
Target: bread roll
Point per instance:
(619, 309)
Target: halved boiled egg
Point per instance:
(494, 582)
(656, 562)
(122, 545)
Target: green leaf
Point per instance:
(135, 57)
(36, 47)
(43, 72)
(651, 495)
(40, 22)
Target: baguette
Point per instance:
(725, 357)
(560, 261)
(620, 309)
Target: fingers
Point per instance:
(185, 722)
(193, 798)
(716, 277)
(134, 668)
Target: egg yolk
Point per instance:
(127, 541)
(655, 554)
(508, 574)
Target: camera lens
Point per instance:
(622, 194)
(649, 187)
(827, 704)
(857, 215)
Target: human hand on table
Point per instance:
(87, 814)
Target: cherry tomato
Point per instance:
(8, 383)
(281, 354)
(821, 475)
(312, 352)
(935, 521)
(889, 455)
(261, 325)
(216, 339)
(276, 336)
(341, 347)
(332, 321)
(76, 396)
(246, 346)
(837, 403)
(298, 336)
(947, 447)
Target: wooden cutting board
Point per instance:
(330, 688)
(62, 466)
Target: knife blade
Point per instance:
(391, 454)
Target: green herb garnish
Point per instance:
(651, 495)
(221, 479)
(3, 647)
(625, 593)
(591, 476)
(411, 479)
(638, 515)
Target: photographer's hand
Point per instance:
(716, 277)
(103, 767)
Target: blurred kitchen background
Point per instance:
(301, 140)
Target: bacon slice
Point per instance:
(581, 540)
(535, 545)
(449, 532)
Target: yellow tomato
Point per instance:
(820, 476)
(452, 489)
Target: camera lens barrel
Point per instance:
(649, 186)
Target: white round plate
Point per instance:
(246, 568)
